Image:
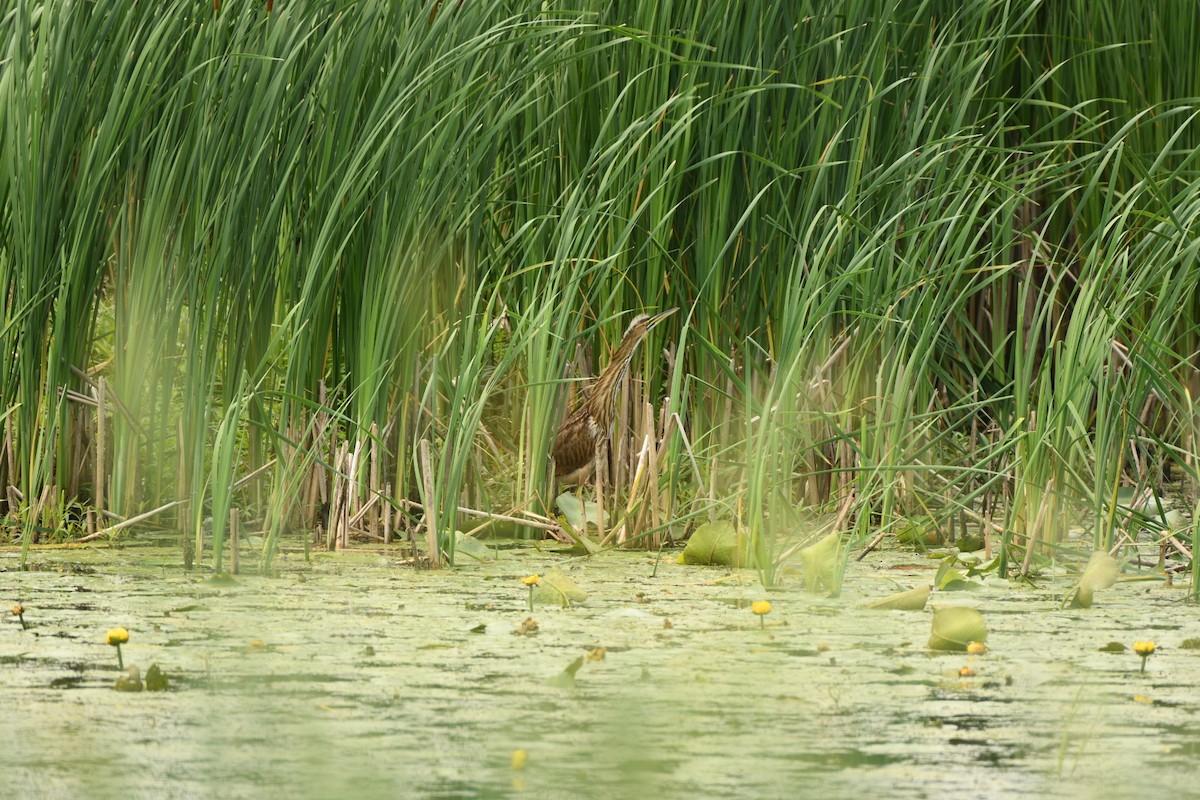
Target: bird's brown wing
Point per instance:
(574, 446)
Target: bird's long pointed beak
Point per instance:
(659, 317)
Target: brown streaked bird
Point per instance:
(582, 431)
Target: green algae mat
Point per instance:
(352, 675)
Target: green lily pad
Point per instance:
(970, 543)
(580, 542)
(919, 531)
(955, 627)
(156, 679)
(911, 600)
(578, 512)
(822, 563)
(557, 589)
(566, 678)
(471, 547)
(1101, 572)
(713, 543)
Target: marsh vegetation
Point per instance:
(346, 268)
(288, 278)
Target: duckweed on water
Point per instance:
(661, 712)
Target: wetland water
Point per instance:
(352, 676)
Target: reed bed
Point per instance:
(302, 267)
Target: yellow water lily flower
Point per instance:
(976, 648)
(761, 607)
(531, 581)
(117, 637)
(1145, 649)
(520, 758)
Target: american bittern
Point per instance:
(582, 431)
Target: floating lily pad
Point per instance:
(471, 547)
(950, 579)
(580, 542)
(713, 543)
(822, 563)
(911, 600)
(566, 678)
(955, 627)
(1101, 572)
(919, 531)
(557, 589)
(578, 512)
(156, 679)
(970, 543)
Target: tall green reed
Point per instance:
(893, 225)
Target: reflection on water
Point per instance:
(353, 677)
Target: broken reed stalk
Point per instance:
(431, 520)
(75, 416)
(540, 523)
(101, 442)
(5, 474)
(601, 471)
(1033, 535)
(633, 505)
(183, 521)
(353, 488)
(373, 481)
(10, 455)
(656, 445)
(318, 491)
(367, 508)
(234, 536)
(331, 505)
(640, 498)
(388, 515)
(312, 496)
(339, 491)
(620, 437)
(125, 523)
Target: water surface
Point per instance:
(357, 676)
